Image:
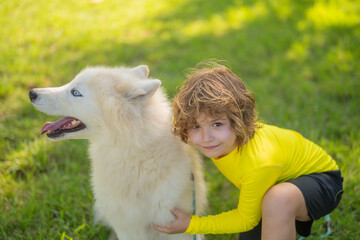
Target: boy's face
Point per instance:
(214, 137)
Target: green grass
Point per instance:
(301, 58)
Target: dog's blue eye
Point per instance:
(76, 93)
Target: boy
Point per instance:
(286, 181)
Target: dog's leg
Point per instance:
(130, 235)
(113, 236)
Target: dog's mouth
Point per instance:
(64, 125)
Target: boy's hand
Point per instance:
(179, 225)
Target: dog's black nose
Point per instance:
(33, 95)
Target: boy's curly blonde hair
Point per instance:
(215, 91)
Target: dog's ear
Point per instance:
(145, 90)
(141, 71)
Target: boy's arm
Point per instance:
(248, 214)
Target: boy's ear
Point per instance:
(145, 90)
(141, 71)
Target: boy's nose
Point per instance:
(206, 135)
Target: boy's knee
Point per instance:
(277, 200)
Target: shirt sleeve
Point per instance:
(248, 214)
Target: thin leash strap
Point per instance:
(194, 198)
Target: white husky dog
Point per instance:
(140, 171)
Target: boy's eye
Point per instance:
(218, 124)
(195, 126)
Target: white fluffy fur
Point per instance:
(140, 171)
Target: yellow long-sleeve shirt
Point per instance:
(272, 156)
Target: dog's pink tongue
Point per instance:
(51, 126)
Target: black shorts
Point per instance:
(322, 193)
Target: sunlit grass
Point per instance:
(334, 13)
(234, 18)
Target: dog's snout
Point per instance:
(33, 95)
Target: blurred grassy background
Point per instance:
(300, 57)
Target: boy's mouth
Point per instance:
(211, 147)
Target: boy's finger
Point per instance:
(163, 229)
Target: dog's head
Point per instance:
(94, 100)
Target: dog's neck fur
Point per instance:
(143, 127)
